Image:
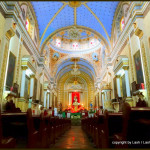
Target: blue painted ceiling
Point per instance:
(83, 64)
(103, 10)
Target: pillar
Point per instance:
(48, 99)
(70, 98)
(97, 102)
(103, 100)
(100, 99)
(105, 96)
(45, 97)
(51, 99)
(31, 85)
(23, 81)
(118, 86)
(54, 100)
(127, 81)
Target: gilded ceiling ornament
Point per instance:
(74, 33)
(55, 56)
(74, 4)
(95, 57)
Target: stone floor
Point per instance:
(74, 138)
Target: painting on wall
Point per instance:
(138, 67)
(10, 71)
(35, 89)
(124, 86)
(27, 87)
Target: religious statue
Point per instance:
(75, 103)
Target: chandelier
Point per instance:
(75, 70)
(74, 33)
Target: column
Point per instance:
(127, 81)
(70, 98)
(51, 99)
(48, 99)
(97, 102)
(31, 85)
(118, 86)
(100, 99)
(45, 95)
(54, 100)
(103, 100)
(105, 96)
(23, 81)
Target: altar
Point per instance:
(75, 119)
(75, 115)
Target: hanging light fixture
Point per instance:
(75, 72)
(107, 86)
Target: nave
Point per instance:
(129, 128)
(74, 138)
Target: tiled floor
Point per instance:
(75, 138)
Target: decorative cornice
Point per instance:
(36, 23)
(14, 13)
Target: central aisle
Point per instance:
(75, 138)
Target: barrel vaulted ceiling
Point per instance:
(54, 15)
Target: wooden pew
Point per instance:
(6, 142)
(136, 127)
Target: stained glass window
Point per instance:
(27, 25)
(58, 42)
(122, 24)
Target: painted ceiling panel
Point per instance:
(44, 12)
(105, 12)
(64, 65)
(63, 19)
(82, 64)
(89, 21)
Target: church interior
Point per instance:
(74, 74)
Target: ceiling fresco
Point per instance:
(75, 29)
(52, 16)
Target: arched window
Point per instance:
(122, 24)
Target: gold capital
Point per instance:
(24, 67)
(138, 32)
(10, 33)
(117, 76)
(32, 76)
(125, 67)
